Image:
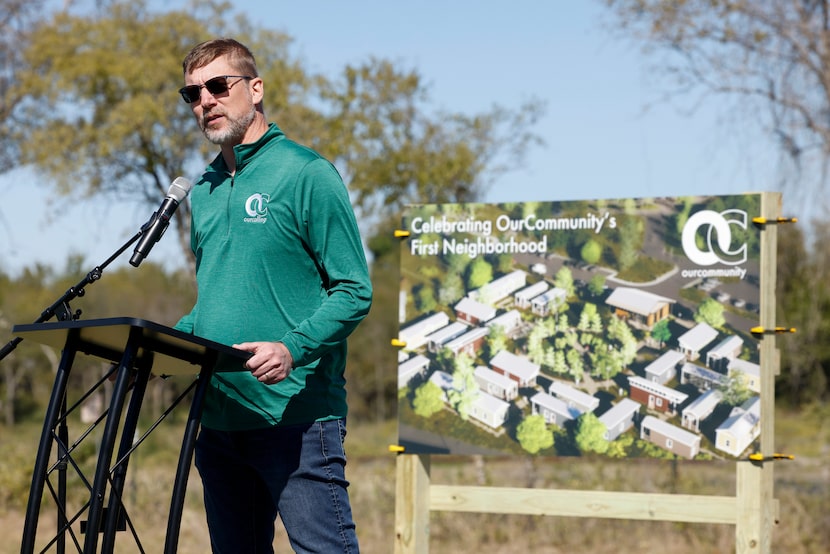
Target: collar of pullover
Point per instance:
(246, 152)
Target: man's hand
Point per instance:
(271, 361)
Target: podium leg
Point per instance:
(53, 412)
(115, 512)
(174, 520)
(102, 469)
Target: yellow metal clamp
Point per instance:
(766, 221)
(758, 457)
(773, 331)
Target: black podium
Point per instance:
(138, 349)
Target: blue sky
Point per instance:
(601, 141)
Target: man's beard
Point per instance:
(233, 133)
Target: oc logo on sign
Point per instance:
(717, 234)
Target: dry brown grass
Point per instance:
(800, 485)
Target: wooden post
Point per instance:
(412, 504)
(757, 508)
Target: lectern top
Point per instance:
(174, 352)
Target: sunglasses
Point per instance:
(217, 85)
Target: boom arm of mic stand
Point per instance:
(61, 306)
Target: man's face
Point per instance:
(224, 117)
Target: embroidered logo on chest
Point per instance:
(256, 206)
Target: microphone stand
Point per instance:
(61, 307)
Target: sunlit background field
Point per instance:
(801, 486)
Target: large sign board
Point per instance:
(616, 328)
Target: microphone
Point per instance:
(152, 231)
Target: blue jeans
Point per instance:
(296, 472)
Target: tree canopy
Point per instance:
(99, 113)
(769, 60)
(16, 20)
(96, 111)
(769, 65)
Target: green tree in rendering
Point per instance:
(589, 319)
(596, 285)
(563, 324)
(624, 341)
(650, 450)
(445, 360)
(599, 362)
(457, 263)
(558, 364)
(710, 312)
(681, 216)
(533, 434)
(451, 289)
(619, 448)
(591, 252)
(564, 279)
(735, 389)
(661, 332)
(464, 388)
(428, 399)
(496, 340)
(504, 263)
(425, 298)
(480, 273)
(576, 364)
(590, 434)
(630, 240)
(536, 343)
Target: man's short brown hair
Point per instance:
(239, 56)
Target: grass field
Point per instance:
(802, 487)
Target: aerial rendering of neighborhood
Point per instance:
(617, 328)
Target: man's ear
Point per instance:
(256, 90)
